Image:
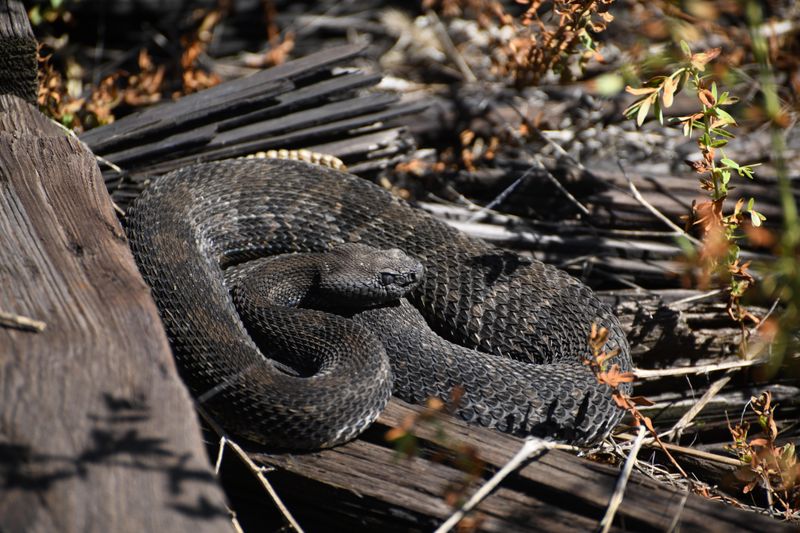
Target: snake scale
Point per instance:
(510, 332)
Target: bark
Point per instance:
(97, 433)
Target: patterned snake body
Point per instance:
(508, 330)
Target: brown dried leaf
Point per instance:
(614, 378)
(706, 98)
(701, 167)
(700, 60)
(395, 434)
(640, 400)
(640, 91)
(435, 404)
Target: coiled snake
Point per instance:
(509, 331)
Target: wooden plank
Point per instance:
(18, 68)
(185, 141)
(305, 97)
(198, 108)
(555, 492)
(322, 108)
(304, 119)
(180, 146)
(416, 487)
(368, 146)
(97, 433)
(290, 140)
(273, 81)
(368, 154)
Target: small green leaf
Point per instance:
(686, 246)
(714, 90)
(657, 111)
(719, 142)
(729, 163)
(750, 203)
(723, 133)
(726, 176)
(756, 218)
(682, 81)
(631, 110)
(643, 109)
(723, 115)
(685, 48)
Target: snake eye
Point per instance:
(388, 278)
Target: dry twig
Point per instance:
(257, 470)
(532, 446)
(683, 450)
(10, 320)
(641, 373)
(622, 482)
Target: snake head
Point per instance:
(362, 276)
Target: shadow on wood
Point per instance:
(97, 433)
(366, 485)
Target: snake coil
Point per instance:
(509, 331)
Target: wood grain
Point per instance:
(97, 433)
(18, 72)
(366, 484)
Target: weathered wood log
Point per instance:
(605, 193)
(18, 69)
(676, 327)
(97, 433)
(648, 258)
(727, 407)
(214, 102)
(300, 137)
(366, 485)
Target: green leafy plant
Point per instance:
(721, 232)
